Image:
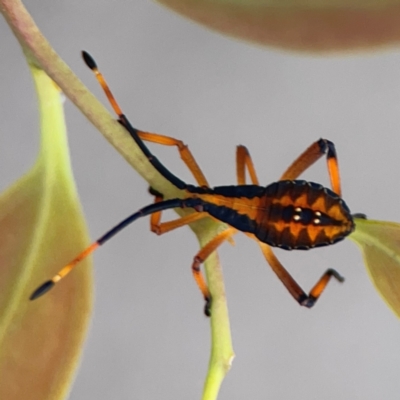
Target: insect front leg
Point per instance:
(156, 225)
(184, 152)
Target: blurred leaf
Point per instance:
(41, 228)
(311, 25)
(380, 244)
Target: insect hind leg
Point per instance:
(315, 293)
(292, 286)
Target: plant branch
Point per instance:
(39, 53)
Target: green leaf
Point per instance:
(380, 245)
(42, 228)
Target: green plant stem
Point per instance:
(39, 53)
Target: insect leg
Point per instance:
(200, 257)
(243, 161)
(185, 153)
(139, 136)
(155, 221)
(163, 227)
(123, 120)
(310, 156)
(292, 286)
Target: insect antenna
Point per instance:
(150, 209)
(123, 120)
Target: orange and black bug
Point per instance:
(289, 214)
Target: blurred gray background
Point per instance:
(149, 338)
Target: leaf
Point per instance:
(311, 25)
(380, 245)
(41, 228)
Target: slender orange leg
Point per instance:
(184, 152)
(139, 136)
(164, 227)
(155, 219)
(243, 160)
(200, 257)
(310, 156)
(156, 225)
(291, 285)
(187, 157)
(160, 228)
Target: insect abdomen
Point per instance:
(286, 214)
(302, 215)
